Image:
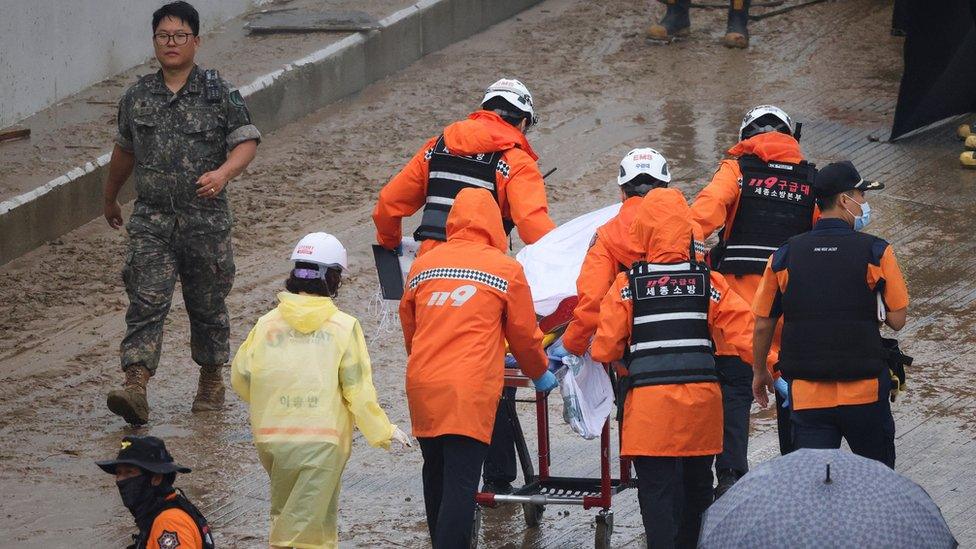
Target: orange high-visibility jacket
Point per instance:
(680, 419)
(462, 301)
(521, 192)
(716, 206)
(613, 250)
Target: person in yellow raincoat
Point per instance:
(305, 372)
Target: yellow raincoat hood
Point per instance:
(305, 313)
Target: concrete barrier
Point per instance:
(275, 99)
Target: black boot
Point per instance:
(737, 31)
(676, 22)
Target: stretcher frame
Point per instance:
(546, 489)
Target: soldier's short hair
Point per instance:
(178, 10)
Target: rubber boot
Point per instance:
(130, 401)
(210, 389)
(676, 22)
(971, 142)
(737, 30)
(968, 160)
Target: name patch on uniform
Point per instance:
(654, 286)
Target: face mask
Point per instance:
(138, 495)
(861, 221)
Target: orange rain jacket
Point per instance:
(716, 205)
(521, 193)
(613, 249)
(681, 419)
(174, 528)
(463, 300)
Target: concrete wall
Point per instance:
(50, 49)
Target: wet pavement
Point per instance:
(601, 91)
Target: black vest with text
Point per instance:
(448, 174)
(179, 502)
(776, 202)
(670, 341)
(830, 314)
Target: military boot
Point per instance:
(676, 22)
(737, 31)
(130, 401)
(210, 389)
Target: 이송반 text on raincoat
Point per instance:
(305, 372)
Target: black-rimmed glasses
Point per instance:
(179, 38)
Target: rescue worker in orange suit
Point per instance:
(613, 249)
(144, 473)
(660, 317)
(762, 196)
(677, 23)
(488, 150)
(463, 300)
(834, 286)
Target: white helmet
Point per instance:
(643, 161)
(749, 128)
(515, 94)
(322, 249)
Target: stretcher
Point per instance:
(542, 487)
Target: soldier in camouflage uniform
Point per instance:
(185, 133)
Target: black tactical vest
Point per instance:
(448, 174)
(830, 314)
(179, 502)
(776, 203)
(670, 340)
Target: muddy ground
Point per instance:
(601, 90)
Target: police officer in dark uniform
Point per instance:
(834, 286)
(185, 133)
(144, 472)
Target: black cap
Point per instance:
(839, 177)
(147, 453)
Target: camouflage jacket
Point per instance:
(176, 138)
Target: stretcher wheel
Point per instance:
(475, 527)
(604, 529)
(532, 513)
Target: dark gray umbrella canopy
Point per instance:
(788, 502)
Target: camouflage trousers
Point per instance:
(205, 266)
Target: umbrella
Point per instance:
(825, 498)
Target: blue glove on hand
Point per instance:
(556, 352)
(546, 382)
(784, 391)
(510, 362)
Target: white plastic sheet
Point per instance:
(553, 263)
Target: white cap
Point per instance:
(762, 110)
(646, 161)
(322, 249)
(515, 94)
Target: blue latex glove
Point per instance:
(556, 352)
(783, 389)
(546, 382)
(510, 362)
